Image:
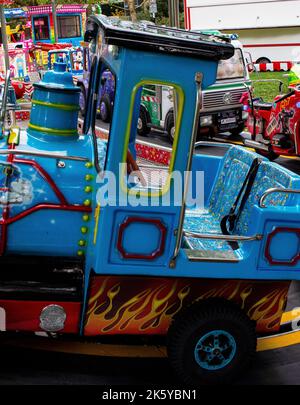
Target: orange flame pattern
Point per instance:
(146, 305)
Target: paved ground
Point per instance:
(19, 366)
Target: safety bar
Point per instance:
(215, 144)
(198, 108)
(42, 154)
(275, 190)
(228, 238)
(4, 96)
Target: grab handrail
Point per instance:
(229, 238)
(206, 143)
(42, 154)
(276, 190)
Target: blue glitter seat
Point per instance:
(231, 175)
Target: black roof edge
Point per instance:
(203, 46)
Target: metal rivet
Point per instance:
(87, 203)
(88, 189)
(84, 229)
(86, 218)
(88, 177)
(89, 165)
(80, 252)
(61, 164)
(82, 242)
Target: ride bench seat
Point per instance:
(229, 180)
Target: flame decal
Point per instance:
(144, 305)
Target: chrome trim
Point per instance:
(226, 107)
(214, 144)
(198, 108)
(214, 99)
(275, 190)
(4, 97)
(42, 154)
(229, 238)
(211, 256)
(296, 138)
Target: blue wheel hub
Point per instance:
(81, 101)
(103, 109)
(215, 350)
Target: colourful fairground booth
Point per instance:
(70, 23)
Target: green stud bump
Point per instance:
(89, 165)
(82, 242)
(87, 203)
(80, 252)
(86, 218)
(89, 177)
(84, 229)
(88, 189)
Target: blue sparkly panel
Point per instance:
(236, 164)
(102, 149)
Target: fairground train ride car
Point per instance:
(207, 279)
(274, 127)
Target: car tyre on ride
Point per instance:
(105, 108)
(143, 128)
(82, 100)
(170, 126)
(211, 343)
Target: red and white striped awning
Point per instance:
(273, 67)
(60, 9)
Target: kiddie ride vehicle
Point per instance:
(207, 280)
(274, 127)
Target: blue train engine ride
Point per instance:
(97, 241)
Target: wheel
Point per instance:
(105, 108)
(143, 128)
(82, 100)
(235, 133)
(263, 60)
(170, 126)
(211, 343)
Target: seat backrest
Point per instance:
(229, 180)
(270, 175)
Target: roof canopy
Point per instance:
(146, 36)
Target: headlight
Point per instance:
(245, 115)
(206, 120)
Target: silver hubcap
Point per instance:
(140, 124)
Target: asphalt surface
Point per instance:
(27, 366)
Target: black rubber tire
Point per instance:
(198, 320)
(236, 132)
(169, 126)
(83, 92)
(145, 120)
(105, 117)
(263, 60)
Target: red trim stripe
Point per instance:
(271, 45)
(185, 15)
